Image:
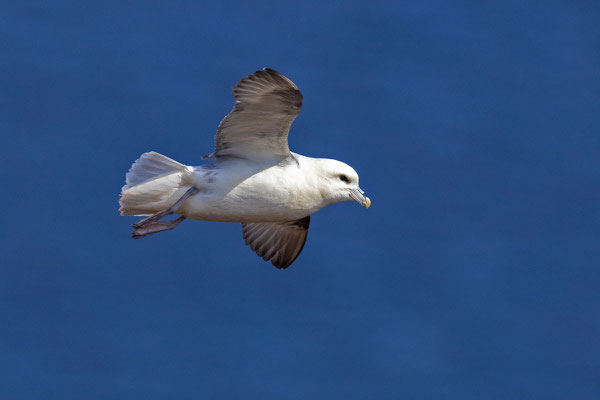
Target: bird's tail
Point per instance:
(154, 183)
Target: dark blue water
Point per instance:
(474, 275)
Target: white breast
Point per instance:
(243, 192)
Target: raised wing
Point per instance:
(280, 242)
(266, 104)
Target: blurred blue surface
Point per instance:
(475, 274)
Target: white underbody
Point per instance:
(242, 191)
(231, 190)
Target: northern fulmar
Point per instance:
(254, 178)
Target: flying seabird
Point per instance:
(254, 178)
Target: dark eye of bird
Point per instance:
(344, 178)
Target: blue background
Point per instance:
(475, 274)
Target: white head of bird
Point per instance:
(338, 182)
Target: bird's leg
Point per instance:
(155, 227)
(153, 218)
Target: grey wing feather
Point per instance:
(279, 242)
(266, 105)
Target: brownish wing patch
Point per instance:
(279, 242)
(258, 126)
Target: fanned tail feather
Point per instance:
(153, 183)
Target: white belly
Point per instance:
(269, 195)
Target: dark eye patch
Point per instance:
(344, 178)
